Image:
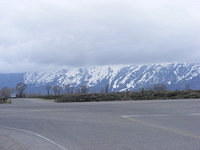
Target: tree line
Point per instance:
(7, 92)
(69, 89)
(57, 90)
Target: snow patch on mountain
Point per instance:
(120, 77)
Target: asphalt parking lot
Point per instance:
(30, 124)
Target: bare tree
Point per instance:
(71, 90)
(107, 88)
(67, 88)
(20, 88)
(57, 90)
(83, 89)
(5, 92)
(48, 88)
(104, 89)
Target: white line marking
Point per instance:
(153, 115)
(159, 115)
(157, 126)
(37, 135)
(195, 114)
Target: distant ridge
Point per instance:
(121, 77)
(175, 76)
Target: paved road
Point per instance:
(30, 124)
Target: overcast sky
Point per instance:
(45, 34)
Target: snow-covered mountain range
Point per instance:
(121, 77)
(118, 77)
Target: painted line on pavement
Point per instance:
(156, 126)
(37, 135)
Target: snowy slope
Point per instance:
(121, 77)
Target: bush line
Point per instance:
(122, 96)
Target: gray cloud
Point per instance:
(44, 34)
